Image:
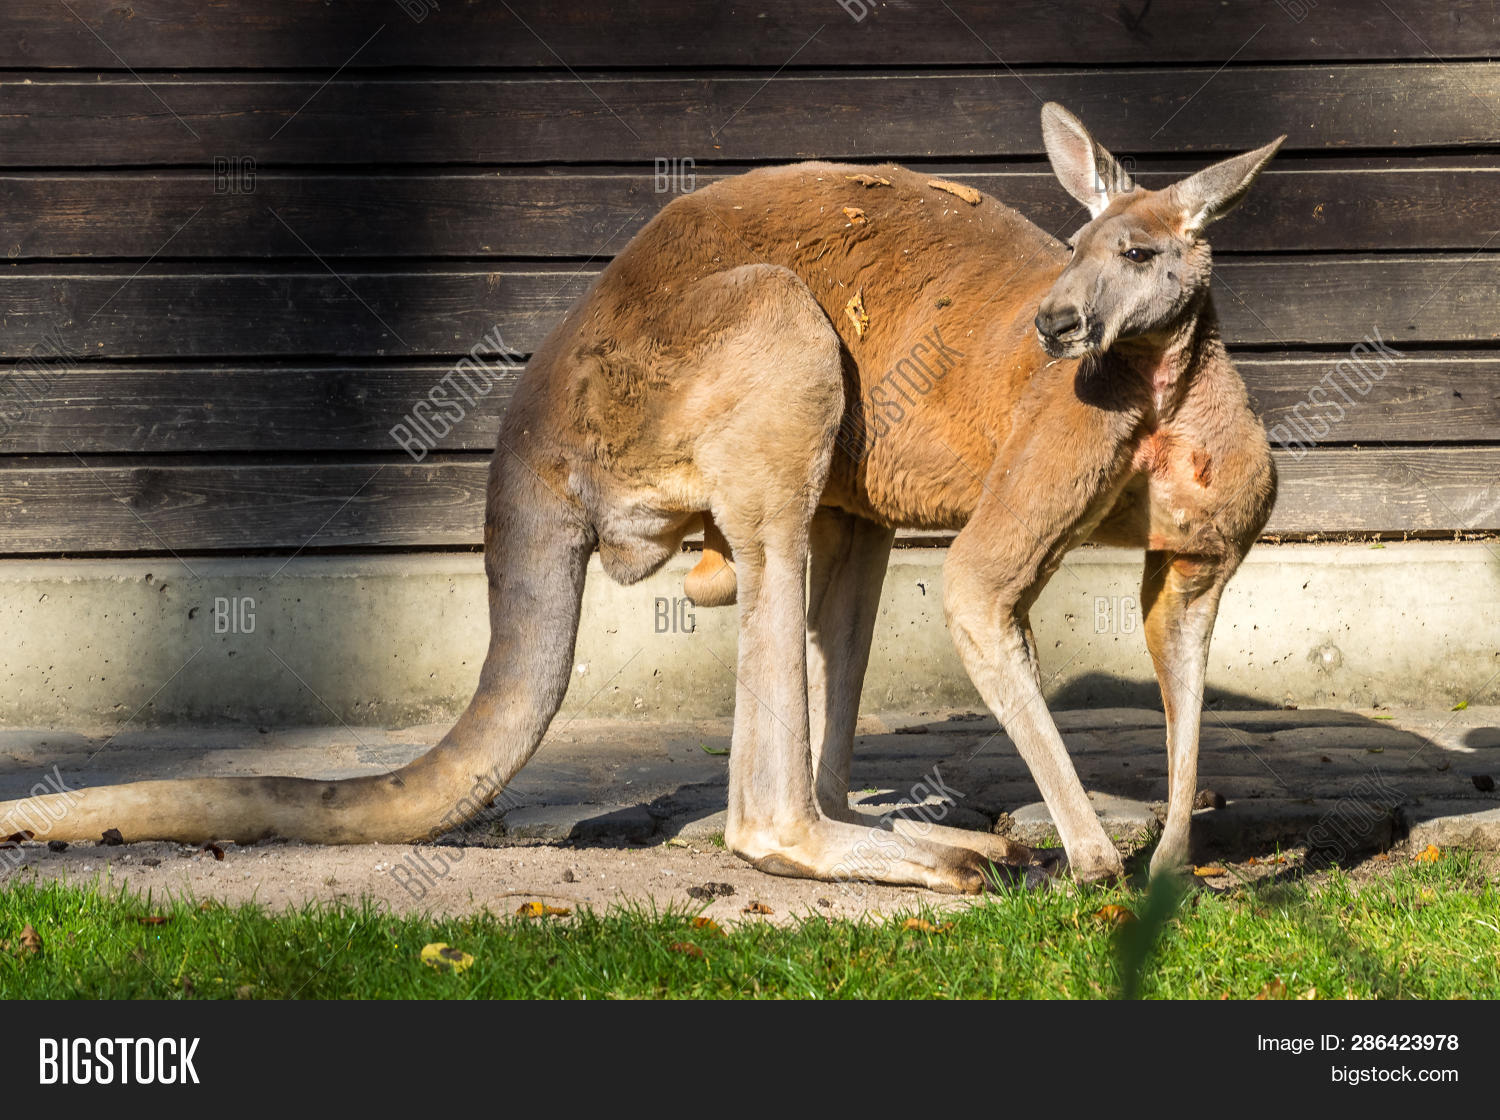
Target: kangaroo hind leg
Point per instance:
(773, 398)
(1180, 595)
(849, 557)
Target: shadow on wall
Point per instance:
(1098, 690)
(330, 241)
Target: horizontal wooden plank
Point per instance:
(1367, 205)
(120, 312)
(457, 214)
(1399, 300)
(114, 410)
(106, 506)
(110, 119)
(174, 34)
(186, 507)
(124, 313)
(1388, 490)
(1423, 397)
(106, 408)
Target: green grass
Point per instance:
(1422, 931)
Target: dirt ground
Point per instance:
(703, 879)
(446, 880)
(613, 812)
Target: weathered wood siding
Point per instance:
(242, 239)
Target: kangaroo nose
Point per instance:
(1059, 322)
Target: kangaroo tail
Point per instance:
(536, 553)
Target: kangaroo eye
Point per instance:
(1138, 256)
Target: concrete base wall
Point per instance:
(382, 640)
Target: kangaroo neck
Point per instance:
(1165, 363)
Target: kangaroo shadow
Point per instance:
(1334, 785)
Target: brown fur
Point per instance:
(711, 583)
(712, 376)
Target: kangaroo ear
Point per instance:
(1216, 190)
(1082, 165)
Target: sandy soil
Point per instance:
(411, 880)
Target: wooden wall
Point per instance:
(242, 238)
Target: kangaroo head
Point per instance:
(1140, 266)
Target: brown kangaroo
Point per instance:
(810, 357)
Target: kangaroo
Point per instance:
(803, 359)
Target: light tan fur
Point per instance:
(714, 374)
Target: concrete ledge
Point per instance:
(397, 640)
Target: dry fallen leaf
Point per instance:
(1382, 856)
(855, 215)
(542, 910)
(1114, 914)
(687, 949)
(869, 180)
(757, 908)
(1311, 993)
(154, 920)
(925, 927)
(968, 194)
(217, 851)
(1430, 854)
(855, 309)
(31, 941)
(708, 924)
(1208, 872)
(441, 955)
(1276, 989)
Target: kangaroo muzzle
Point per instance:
(1062, 330)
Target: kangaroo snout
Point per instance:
(1062, 330)
(1061, 323)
